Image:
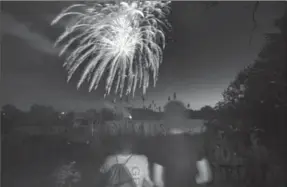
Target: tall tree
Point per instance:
(258, 95)
(43, 115)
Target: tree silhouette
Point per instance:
(256, 99)
(10, 117)
(43, 115)
(174, 96)
(206, 112)
(258, 95)
(10, 111)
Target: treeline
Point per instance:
(11, 116)
(256, 100)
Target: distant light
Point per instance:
(63, 113)
(130, 117)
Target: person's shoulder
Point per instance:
(140, 156)
(139, 159)
(109, 162)
(110, 157)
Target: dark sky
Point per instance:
(209, 47)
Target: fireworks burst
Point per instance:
(126, 39)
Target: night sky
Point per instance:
(207, 49)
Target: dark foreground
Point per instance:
(33, 163)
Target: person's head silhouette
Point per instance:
(175, 115)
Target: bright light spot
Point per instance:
(126, 39)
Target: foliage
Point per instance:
(42, 115)
(253, 109)
(260, 88)
(207, 112)
(11, 116)
(38, 115)
(66, 175)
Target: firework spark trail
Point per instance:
(122, 38)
